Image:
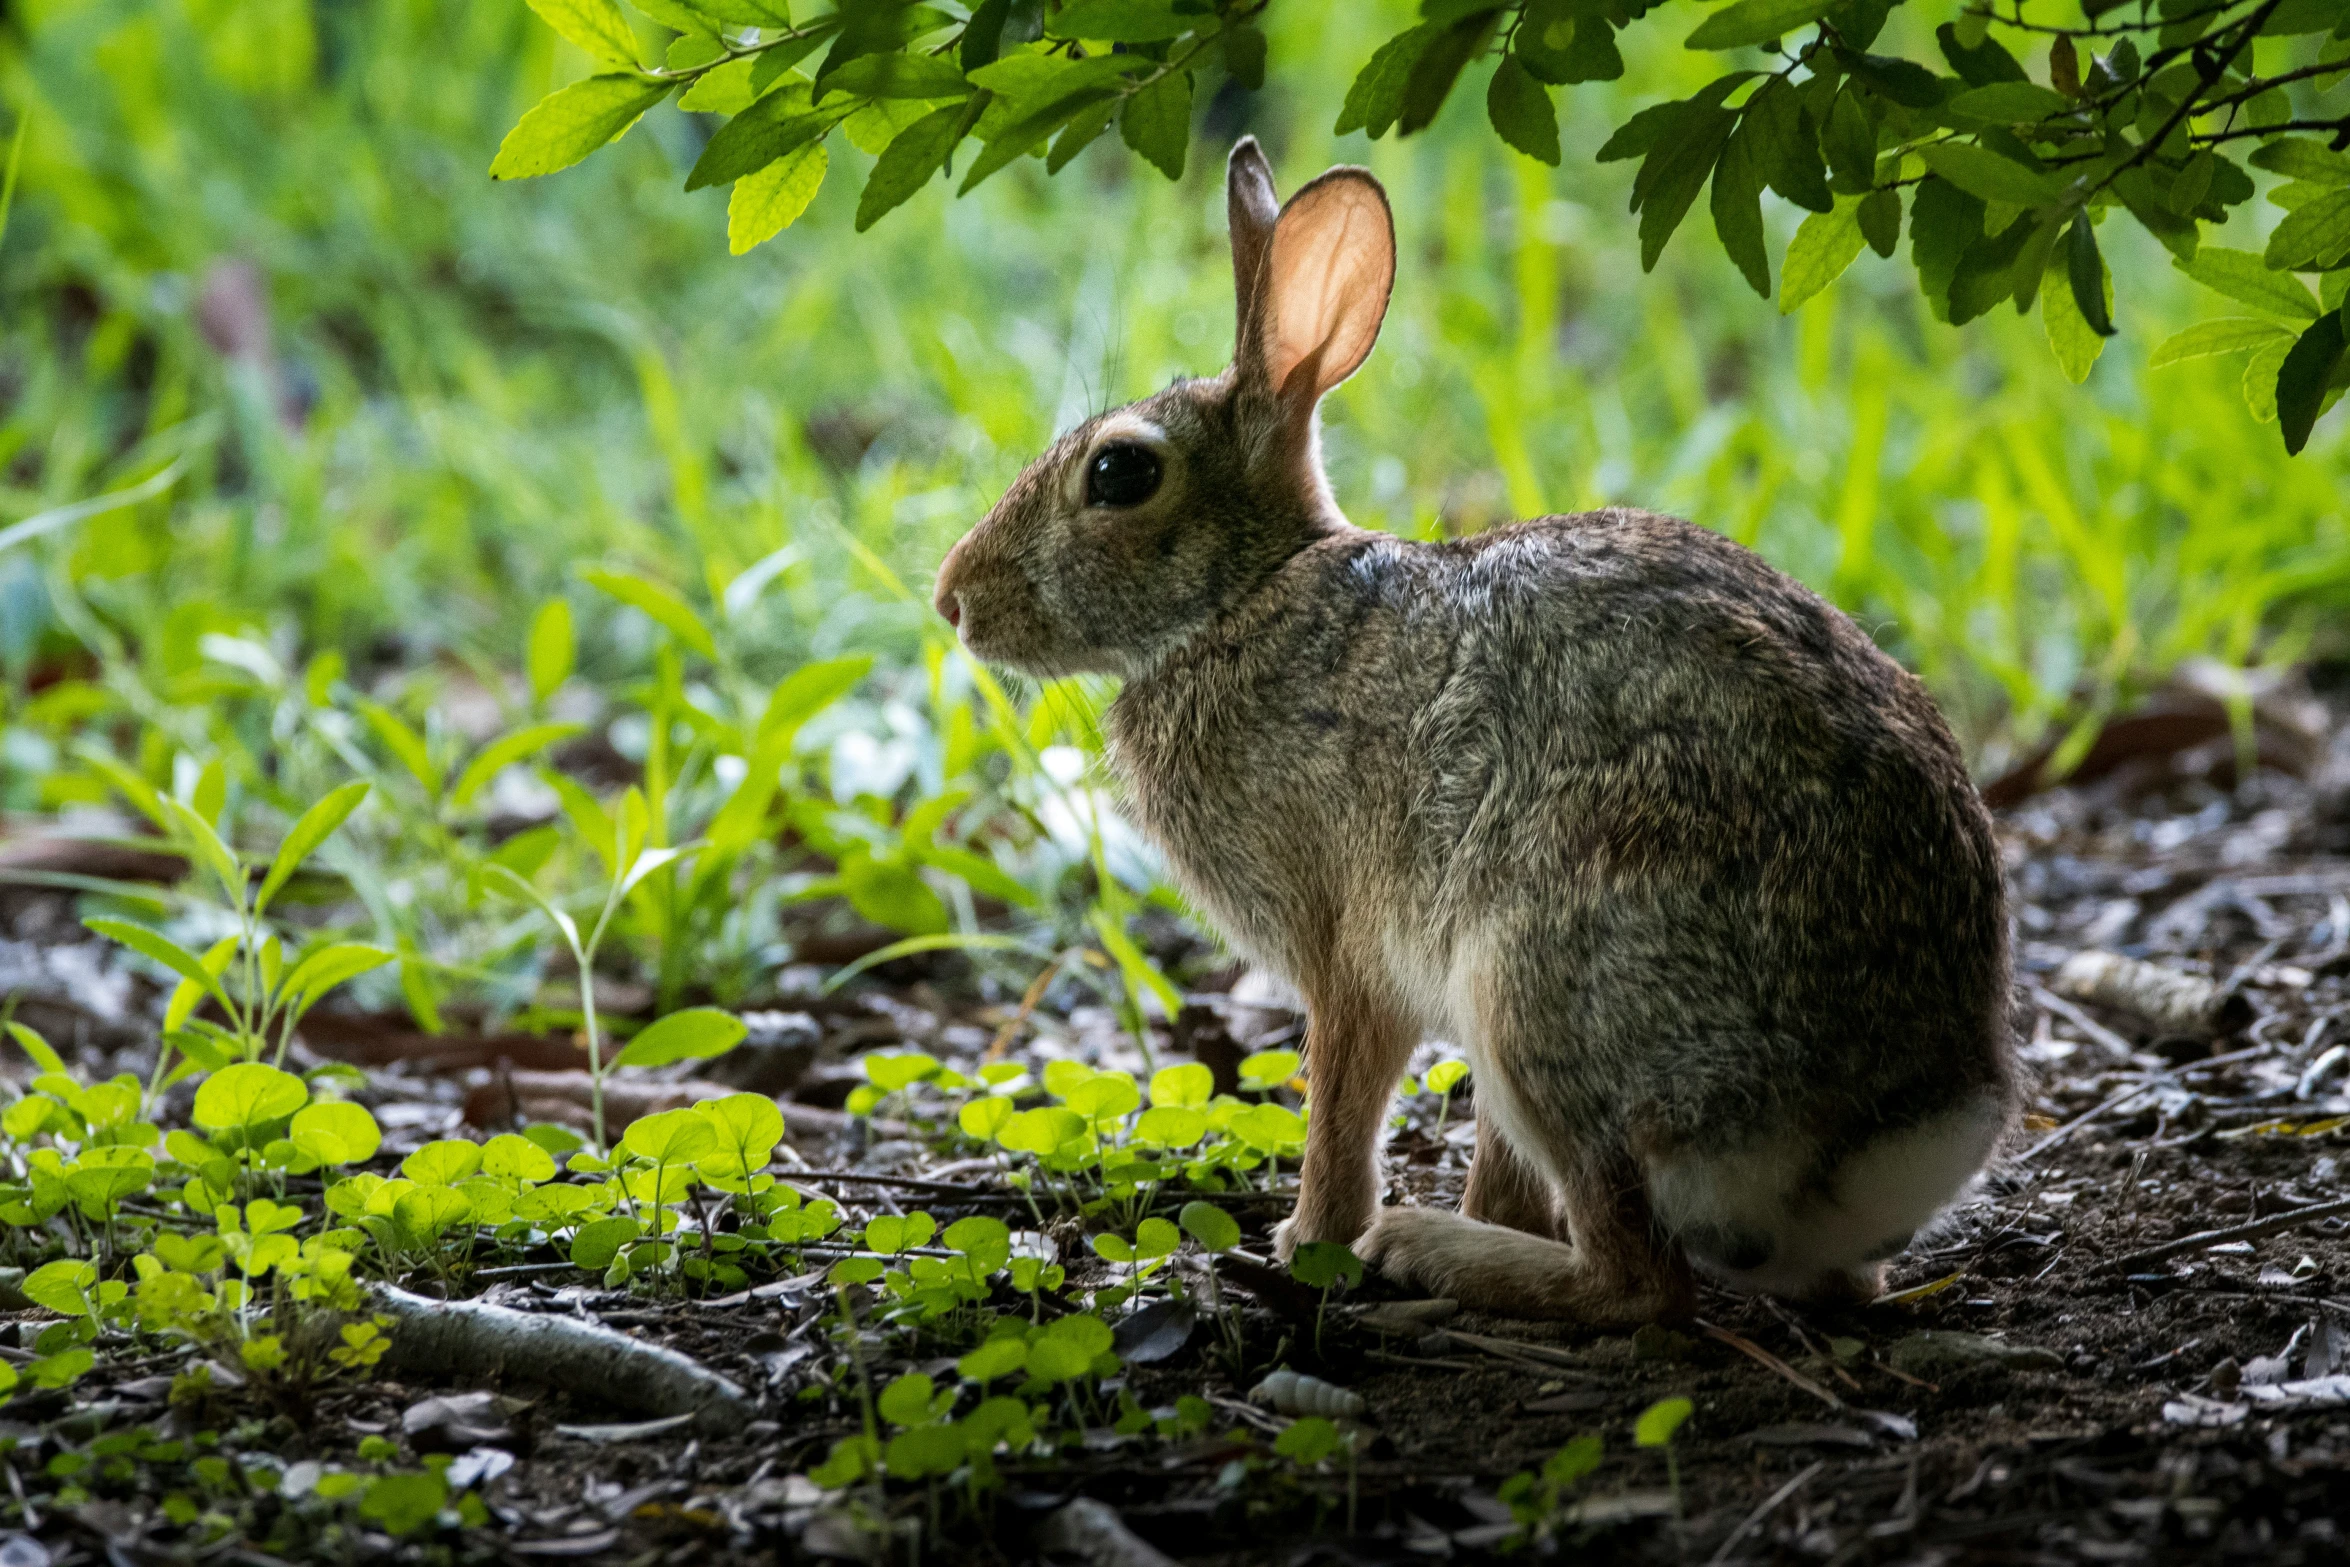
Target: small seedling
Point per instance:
(1440, 1080)
(1323, 1265)
(1655, 1428)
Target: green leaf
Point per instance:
(764, 204)
(1185, 1087)
(906, 1401)
(2227, 335)
(809, 690)
(311, 830)
(1673, 174)
(779, 123)
(567, 125)
(330, 965)
(1979, 60)
(553, 647)
(1659, 1421)
(897, 76)
(662, 604)
(671, 1137)
(1244, 54)
(2009, 103)
(1880, 220)
(2303, 377)
(1822, 248)
(63, 1287)
(504, 752)
(2075, 342)
(1376, 97)
(596, 1243)
(1018, 138)
(1320, 1264)
(1210, 1225)
(163, 950)
(1522, 113)
(998, 1357)
(1755, 21)
(405, 1502)
(1983, 173)
(2247, 279)
(1737, 210)
(34, 1045)
(196, 831)
(2303, 158)
(1119, 21)
(691, 1035)
(248, 1094)
(1157, 122)
(405, 744)
(2085, 270)
(596, 26)
(2313, 235)
(1850, 141)
(333, 1132)
(1786, 146)
(916, 153)
(443, 1162)
(1439, 66)
(983, 34)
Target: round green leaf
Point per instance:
(1184, 1087)
(1210, 1225)
(247, 1094)
(671, 1137)
(334, 1132)
(509, 1157)
(442, 1163)
(998, 1357)
(598, 1242)
(1659, 1421)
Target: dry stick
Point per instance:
(1753, 1351)
(2238, 1232)
(1770, 1505)
(465, 1338)
(2056, 1003)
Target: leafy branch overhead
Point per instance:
(2004, 147)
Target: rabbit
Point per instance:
(1691, 870)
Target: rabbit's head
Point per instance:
(1143, 526)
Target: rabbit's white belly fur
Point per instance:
(1883, 1194)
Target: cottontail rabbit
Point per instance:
(1691, 870)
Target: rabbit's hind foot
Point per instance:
(1488, 1267)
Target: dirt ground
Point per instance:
(2036, 1388)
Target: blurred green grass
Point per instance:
(498, 384)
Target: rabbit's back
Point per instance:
(1665, 800)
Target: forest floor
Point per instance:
(2041, 1385)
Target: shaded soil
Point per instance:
(2057, 1398)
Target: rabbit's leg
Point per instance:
(1356, 1049)
(1505, 1188)
(1614, 1269)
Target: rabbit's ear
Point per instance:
(1325, 285)
(1251, 209)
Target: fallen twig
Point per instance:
(1769, 1506)
(467, 1338)
(1755, 1352)
(1093, 1532)
(2237, 1232)
(2173, 1002)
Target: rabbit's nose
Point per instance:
(950, 604)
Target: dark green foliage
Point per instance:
(2160, 124)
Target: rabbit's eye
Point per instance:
(1121, 474)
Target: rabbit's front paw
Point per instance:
(1425, 1247)
(1315, 1224)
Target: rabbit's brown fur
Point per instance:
(1689, 867)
